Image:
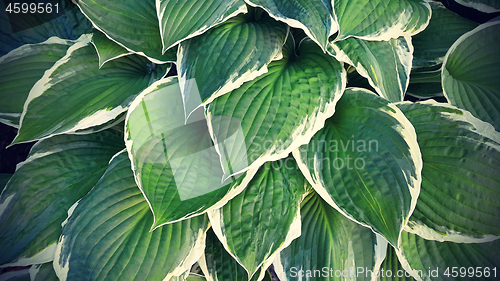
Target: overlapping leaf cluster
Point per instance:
(257, 150)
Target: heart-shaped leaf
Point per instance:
(470, 73)
(386, 64)
(248, 44)
(107, 234)
(75, 94)
(366, 163)
(175, 162)
(331, 246)
(263, 219)
(460, 180)
(59, 171)
(279, 110)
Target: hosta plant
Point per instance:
(228, 140)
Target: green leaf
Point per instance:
(16, 275)
(279, 110)
(132, 24)
(314, 17)
(181, 20)
(59, 171)
(329, 241)
(248, 44)
(486, 6)
(392, 268)
(429, 260)
(366, 163)
(175, 163)
(444, 28)
(386, 64)
(43, 272)
(32, 28)
(217, 264)
(263, 219)
(107, 237)
(107, 49)
(470, 73)
(75, 94)
(460, 181)
(20, 69)
(381, 19)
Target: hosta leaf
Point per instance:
(58, 172)
(429, 260)
(381, 19)
(217, 264)
(175, 163)
(75, 94)
(107, 49)
(314, 17)
(444, 28)
(366, 163)
(107, 237)
(332, 245)
(132, 24)
(470, 73)
(392, 268)
(279, 110)
(180, 20)
(386, 64)
(226, 56)
(43, 272)
(20, 69)
(4, 179)
(16, 275)
(460, 181)
(486, 6)
(263, 219)
(67, 23)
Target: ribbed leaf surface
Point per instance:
(280, 110)
(366, 163)
(386, 64)
(444, 28)
(107, 235)
(59, 171)
(223, 58)
(314, 17)
(263, 219)
(132, 24)
(470, 73)
(460, 181)
(381, 19)
(20, 69)
(180, 20)
(329, 241)
(430, 260)
(107, 49)
(75, 94)
(175, 163)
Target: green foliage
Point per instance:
(211, 140)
